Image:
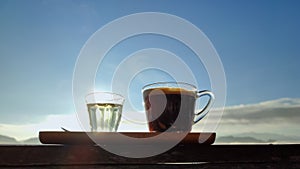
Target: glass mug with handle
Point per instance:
(170, 106)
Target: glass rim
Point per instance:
(170, 82)
(120, 97)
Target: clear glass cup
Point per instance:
(105, 111)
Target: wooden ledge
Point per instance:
(55, 155)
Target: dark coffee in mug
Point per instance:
(164, 105)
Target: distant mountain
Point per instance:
(7, 140)
(271, 136)
(11, 140)
(33, 140)
(252, 137)
(234, 139)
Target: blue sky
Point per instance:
(257, 41)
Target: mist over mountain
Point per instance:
(253, 137)
(33, 140)
(7, 140)
(272, 136)
(246, 139)
(11, 140)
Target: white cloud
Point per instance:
(51, 123)
(277, 116)
(285, 110)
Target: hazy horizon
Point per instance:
(279, 117)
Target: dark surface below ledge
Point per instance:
(183, 156)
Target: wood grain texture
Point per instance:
(82, 138)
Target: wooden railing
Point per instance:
(182, 156)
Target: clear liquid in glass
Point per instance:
(104, 117)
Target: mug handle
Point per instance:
(202, 113)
